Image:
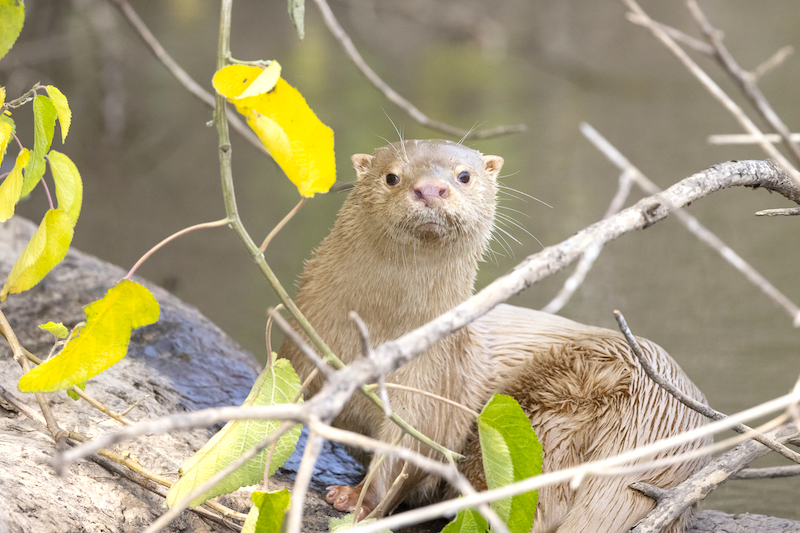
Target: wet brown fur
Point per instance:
(399, 262)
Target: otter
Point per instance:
(404, 249)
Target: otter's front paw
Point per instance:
(344, 498)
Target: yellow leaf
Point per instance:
(11, 188)
(2, 96)
(239, 83)
(62, 109)
(56, 328)
(102, 343)
(298, 141)
(45, 250)
(69, 187)
(5, 136)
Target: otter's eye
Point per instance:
(463, 176)
(392, 179)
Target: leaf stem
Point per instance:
(184, 231)
(281, 224)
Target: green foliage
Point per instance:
(73, 394)
(266, 514)
(44, 127)
(467, 521)
(46, 249)
(62, 110)
(56, 328)
(101, 343)
(277, 384)
(12, 16)
(11, 188)
(69, 187)
(511, 453)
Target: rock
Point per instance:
(181, 363)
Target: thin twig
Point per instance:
(746, 138)
(783, 212)
(281, 224)
(294, 520)
(715, 90)
(366, 351)
(380, 509)
(693, 225)
(775, 60)
(296, 338)
(746, 80)
(58, 434)
(675, 33)
(768, 472)
(393, 96)
(181, 75)
(587, 260)
(651, 491)
(448, 401)
(690, 402)
(172, 237)
(268, 333)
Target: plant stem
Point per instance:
(235, 222)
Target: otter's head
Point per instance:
(430, 192)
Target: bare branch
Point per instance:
(694, 226)
(294, 521)
(690, 402)
(768, 473)
(675, 33)
(676, 500)
(746, 80)
(309, 352)
(715, 90)
(393, 96)
(787, 211)
(776, 60)
(176, 70)
(745, 138)
(366, 351)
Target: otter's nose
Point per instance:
(430, 191)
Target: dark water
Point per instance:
(150, 165)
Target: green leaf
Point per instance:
(44, 127)
(101, 343)
(467, 521)
(297, 12)
(56, 328)
(11, 188)
(69, 187)
(277, 384)
(344, 523)
(511, 452)
(62, 110)
(12, 15)
(74, 395)
(266, 514)
(46, 249)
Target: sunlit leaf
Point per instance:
(266, 514)
(74, 395)
(11, 188)
(44, 127)
(275, 385)
(511, 452)
(12, 15)
(240, 83)
(297, 12)
(6, 129)
(298, 141)
(69, 187)
(62, 109)
(101, 343)
(46, 249)
(337, 525)
(467, 521)
(56, 328)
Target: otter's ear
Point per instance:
(492, 164)
(361, 163)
